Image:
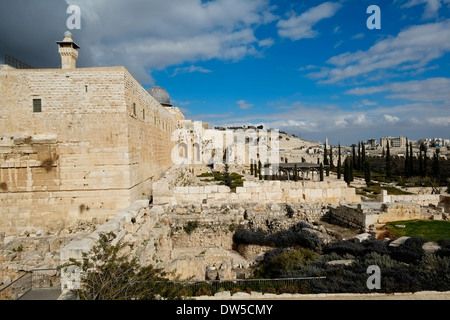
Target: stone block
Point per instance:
(223, 189)
(241, 190)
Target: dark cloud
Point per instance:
(30, 28)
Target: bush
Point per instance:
(203, 291)
(344, 247)
(108, 274)
(282, 239)
(279, 263)
(410, 251)
(191, 226)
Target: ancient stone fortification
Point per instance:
(196, 241)
(365, 215)
(99, 143)
(260, 191)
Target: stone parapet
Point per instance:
(264, 191)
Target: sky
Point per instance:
(310, 68)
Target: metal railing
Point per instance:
(284, 285)
(34, 279)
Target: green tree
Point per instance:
(347, 170)
(251, 168)
(358, 165)
(363, 156)
(406, 170)
(227, 177)
(108, 274)
(339, 164)
(388, 162)
(331, 158)
(321, 171)
(350, 167)
(259, 170)
(436, 165)
(367, 173)
(425, 161)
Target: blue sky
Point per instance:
(311, 68)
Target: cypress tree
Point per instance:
(227, 177)
(421, 171)
(351, 171)
(436, 165)
(367, 174)
(347, 171)
(339, 164)
(259, 170)
(425, 161)
(358, 165)
(321, 172)
(363, 156)
(251, 168)
(354, 156)
(331, 158)
(411, 164)
(406, 171)
(388, 162)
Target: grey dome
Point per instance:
(68, 34)
(160, 95)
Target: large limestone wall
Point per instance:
(85, 155)
(149, 138)
(331, 192)
(421, 199)
(367, 214)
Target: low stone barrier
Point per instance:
(331, 192)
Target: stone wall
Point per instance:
(331, 192)
(445, 203)
(195, 240)
(421, 199)
(97, 146)
(366, 214)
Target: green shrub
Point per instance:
(410, 251)
(278, 263)
(190, 226)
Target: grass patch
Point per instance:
(375, 189)
(236, 179)
(431, 230)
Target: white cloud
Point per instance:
(358, 36)
(266, 42)
(431, 7)
(190, 69)
(391, 119)
(431, 89)
(439, 121)
(170, 33)
(244, 105)
(411, 49)
(301, 27)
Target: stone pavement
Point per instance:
(422, 295)
(42, 294)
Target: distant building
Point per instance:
(372, 143)
(399, 142)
